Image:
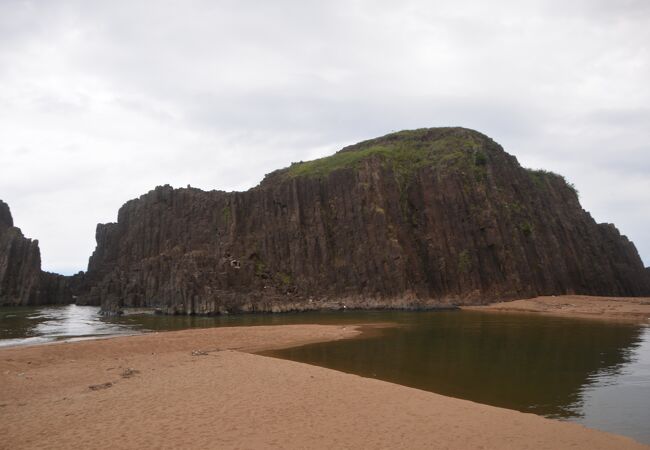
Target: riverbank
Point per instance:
(629, 309)
(204, 388)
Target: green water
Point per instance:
(591, 372)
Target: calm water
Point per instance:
(594, 373)
(25, 326)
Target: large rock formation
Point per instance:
(422, 218)
(22, 282)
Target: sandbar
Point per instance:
(207, 389)
(624, 309)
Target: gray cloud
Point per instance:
(101, 101)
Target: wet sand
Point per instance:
(628, 309)
(204, 389)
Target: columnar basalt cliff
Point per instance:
(415, 219)
(22, 282)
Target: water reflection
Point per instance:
(586, 371)
(40, 325)
(33, 325)
(627, 384)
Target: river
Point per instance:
(591, 372)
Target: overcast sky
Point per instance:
(102, 101)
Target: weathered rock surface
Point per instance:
(416, 219)
(22, 282)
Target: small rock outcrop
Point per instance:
(22, 282)
(415, 219)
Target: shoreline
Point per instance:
(207, 388)
(616, 309)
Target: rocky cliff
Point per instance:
(414, 219)
(22, 282)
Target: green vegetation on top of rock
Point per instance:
(540, 176)
(405, 152)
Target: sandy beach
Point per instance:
(205, 389)
(628, 309)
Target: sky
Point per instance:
(102, 101)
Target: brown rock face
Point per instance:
(22, 282)
(415, 219)
(6, 221)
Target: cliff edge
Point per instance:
(415, 219)
(22, 282)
